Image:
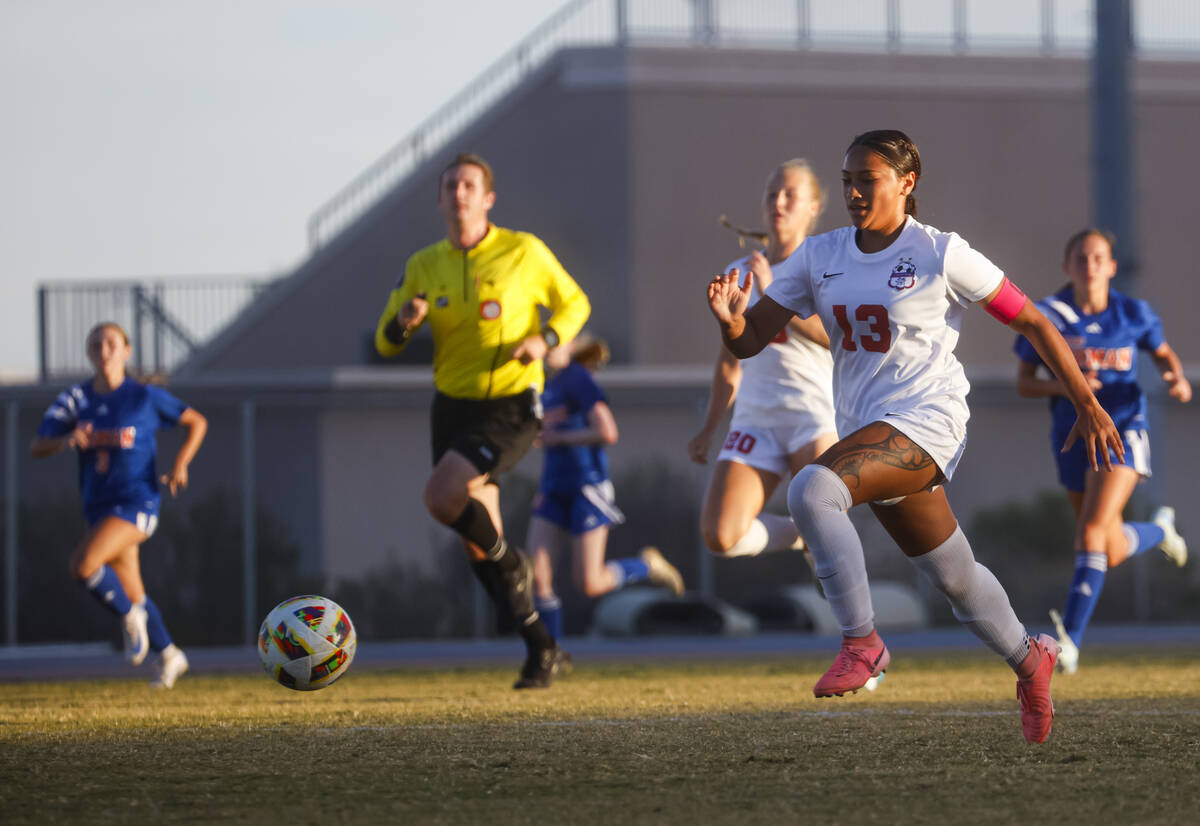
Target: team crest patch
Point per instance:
(904, 275)
(490, 309)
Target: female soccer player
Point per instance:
(576, 494)
(110, 420)
(891, 293)
(783, 417)
(1106, 329)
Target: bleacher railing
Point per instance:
(166, 320)
(1161, 28)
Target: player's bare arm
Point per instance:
(1032, 386)
(1093, 425)
(1167, 361)
(197, 427)
(601, 430)
(727, 378)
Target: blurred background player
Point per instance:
(481, 288)
(891, 292)
(782, 398)
(576, 494)
(1106, 329)
(111, 421)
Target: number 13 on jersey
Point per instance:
(876, 338)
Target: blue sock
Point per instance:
(156, 629)
(550, 610)
(628, 571)
(106, 588)
(1142, 536)
(1090, 568)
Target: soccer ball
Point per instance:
(307, 642)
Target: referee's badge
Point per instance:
(490, 309)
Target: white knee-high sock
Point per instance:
(978, 598)
(818, 501)
(767, 532)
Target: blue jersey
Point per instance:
(118, 468)
(1105, 343)
(568, 399)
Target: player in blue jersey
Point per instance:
(1105, 329)
(576, 494)
(110, 421)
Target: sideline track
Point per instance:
(52, 662)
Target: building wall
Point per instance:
(622, 160)
(1004, 145)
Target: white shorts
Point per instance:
(768, 448)
(938, 425)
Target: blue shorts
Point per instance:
(1073, 465)
(579, 510)
(143, 515)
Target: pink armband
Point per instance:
(1007, 303)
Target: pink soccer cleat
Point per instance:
(1037, 709)
(856, 666)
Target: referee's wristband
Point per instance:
(550, 337)
(394, 333)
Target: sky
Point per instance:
(151, 140)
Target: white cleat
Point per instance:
(1172, 545)
(137, 639)
(172, 664)
(1068, 651)
(662, 573)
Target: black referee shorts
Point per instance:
(492, 433)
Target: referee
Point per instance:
(480, 289)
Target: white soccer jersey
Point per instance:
(791, 374)
(893, 319)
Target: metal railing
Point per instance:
(1161, 28)
(166, 320)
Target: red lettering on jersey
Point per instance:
(122, 438)
(877, 339)
(780, 337)
(1103, 358)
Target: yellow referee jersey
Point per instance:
(482, 303)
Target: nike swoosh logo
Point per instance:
(877, 659)
(832, 274)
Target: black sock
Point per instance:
(537, 637)
(492, 578)
(475, 525)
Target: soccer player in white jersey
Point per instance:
(892, 293)
(783, 416)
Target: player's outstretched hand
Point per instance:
(727, 299)
(176, 480)
(81, 437)
(1099, 435)
(761, 267)
(1178, 387)
(698, 447)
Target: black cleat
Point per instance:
(542, 667)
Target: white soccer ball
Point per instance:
(307, 642)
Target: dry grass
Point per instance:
(699, 743)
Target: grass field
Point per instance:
(697, 743)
